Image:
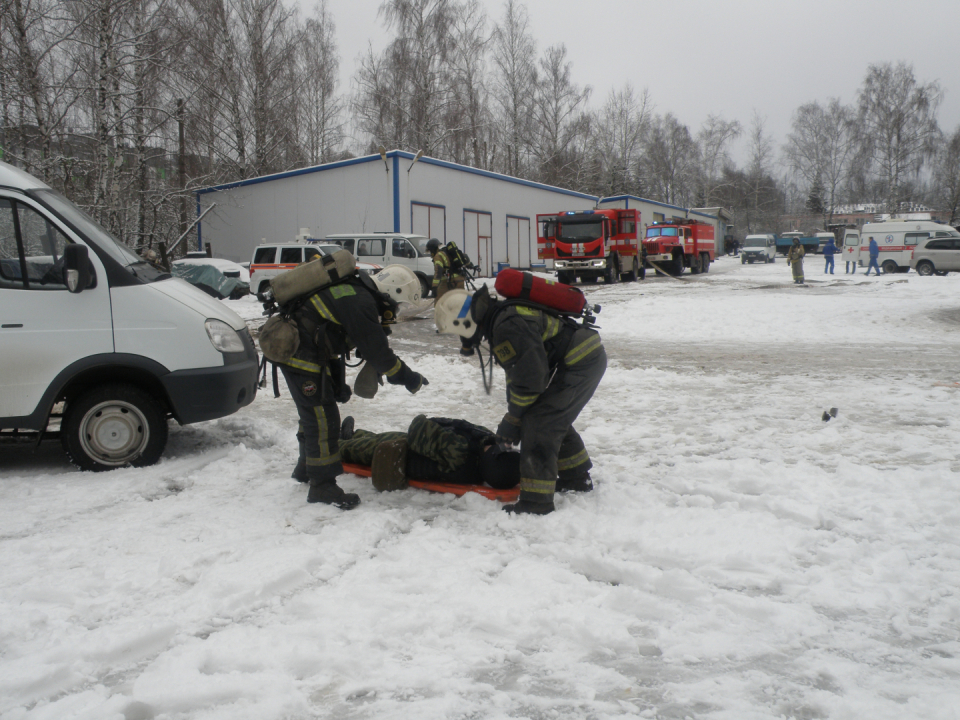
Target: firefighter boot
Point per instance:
(525, 507)
(329, 493)
(300, 471)
(583, 483)
(347, 428)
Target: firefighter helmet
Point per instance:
(399, 283)
(433, 246)
(453, 315)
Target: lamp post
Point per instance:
(419, 155)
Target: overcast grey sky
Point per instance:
(701, 57)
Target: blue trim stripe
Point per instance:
(293, 173)
(396, 194)
(466, 307)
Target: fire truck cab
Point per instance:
(670, 247)
(592, 244)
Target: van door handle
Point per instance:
(12, 325)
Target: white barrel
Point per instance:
(311, 276)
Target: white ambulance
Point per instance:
(897, 239)
(850, 249)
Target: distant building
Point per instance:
(491, 216)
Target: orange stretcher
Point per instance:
(510, 495)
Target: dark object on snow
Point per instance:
(831, 413)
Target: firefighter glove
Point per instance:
(414, 381)
(509, 429)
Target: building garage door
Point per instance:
(477, 234)
(518, 241)
(429, 220)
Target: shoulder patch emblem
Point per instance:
(504, 351)
(339, 291)
(309, 388)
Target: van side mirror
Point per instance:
(76, 267)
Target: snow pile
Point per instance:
(739, 558)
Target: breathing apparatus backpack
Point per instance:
(557, 298)
(459, 260)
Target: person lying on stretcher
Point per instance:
(432, 449)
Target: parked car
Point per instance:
(758, 248)
(229, 268)
(390, 248)
(938, 254)
(271, 259)
(95, 337)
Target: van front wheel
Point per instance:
(113, 426)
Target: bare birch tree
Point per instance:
(713, 140)
(898, 127)
(819, 150)
(514, 57)
(618, 136)
(559, 116)
(321, 109)
(670, 161)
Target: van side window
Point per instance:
(264, 256)
(291, 256)
(310, 253)
(11, 270)
(347, 245)
(36, 251)
(914, 238)
(370, 248)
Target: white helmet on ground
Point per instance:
(452, 314)
(399, 283)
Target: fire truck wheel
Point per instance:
(612, 276)
(695, 265)
(677, 265)
(704, 263)
(565, 278)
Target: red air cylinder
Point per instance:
(526, 286)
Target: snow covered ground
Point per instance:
(739, 559)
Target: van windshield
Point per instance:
(755, 242)
(88, 227)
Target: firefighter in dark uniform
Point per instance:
(444, 279)
(553, 367)
(331, 323)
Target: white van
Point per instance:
(897, 239)
(97, 338)
(758, 248)
(389, 248)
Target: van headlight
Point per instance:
(224, 338)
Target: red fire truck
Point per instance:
(590, 244)
(671, 246)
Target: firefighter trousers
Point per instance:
(549, 444)
(319, 431)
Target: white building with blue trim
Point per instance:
(491, 216)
